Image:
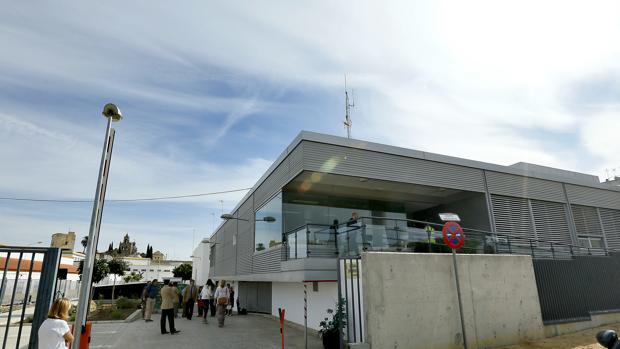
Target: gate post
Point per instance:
(45, 293)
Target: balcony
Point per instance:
(405, 235)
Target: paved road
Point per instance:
(249, 331)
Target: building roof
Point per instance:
(25, 265)
(520, 168)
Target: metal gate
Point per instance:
(255, 296)
(28, 277)
(351, 290)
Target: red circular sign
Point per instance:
(453, 235)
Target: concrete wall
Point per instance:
(290, 296)
(571, 327)
(410, 300)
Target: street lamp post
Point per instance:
(228, 216)
(113, 114)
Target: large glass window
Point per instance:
(269, 234)
(300, 209)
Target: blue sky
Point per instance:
(212, 92)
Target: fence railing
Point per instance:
(405, 235)
(19, 266)
(351, 290)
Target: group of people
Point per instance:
(209, 298)
(55, 332)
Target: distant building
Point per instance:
(150, 269)
(64, 241)
(158, 257)
(127, 248)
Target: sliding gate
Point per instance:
(26, 292)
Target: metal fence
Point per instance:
(351, 291)
(572, 290)
(23, 269)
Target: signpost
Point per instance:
(281, 315)
(454, 238)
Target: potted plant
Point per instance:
(330, 329)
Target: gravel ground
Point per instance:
(578, 340)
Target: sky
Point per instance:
(212, 92)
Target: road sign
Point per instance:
(453, 235)
(449, 217)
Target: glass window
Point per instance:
(269, 234)
(590, 242)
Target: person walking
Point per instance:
(168, 298)
(199, 302)
(222, 296)
(143, 299)
(54, 332)
(211, 286)
(190, 295)
(175, 287)
(231, 300)
(205, 295)
(151, 294)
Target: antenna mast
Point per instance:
(347, 107)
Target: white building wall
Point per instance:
(200, 262)
(290, 296)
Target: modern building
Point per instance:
(320, 182)
(200, 262)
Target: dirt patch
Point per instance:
(110, 314)
(578, 340)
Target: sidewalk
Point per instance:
(240, 331)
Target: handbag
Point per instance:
(222, 301)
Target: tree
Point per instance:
(184, 271)
(110, 248)
(133, 276)
(117, 267)
(84, 243)
(101, 270)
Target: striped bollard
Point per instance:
(306, 314)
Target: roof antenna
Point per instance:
(348, 105)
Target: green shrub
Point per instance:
(117, 315)
(124, 303)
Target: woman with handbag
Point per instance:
(221, 296)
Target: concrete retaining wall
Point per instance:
(410, 300)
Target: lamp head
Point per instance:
(111, 111)
(269, 219)
(227, 216)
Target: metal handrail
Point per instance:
(495, 240)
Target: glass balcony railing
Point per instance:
(403, 235)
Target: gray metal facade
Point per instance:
(525, 200)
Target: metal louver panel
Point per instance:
(245, 238)
(268, 262)
(329, 158)
(586, 220)
(524, 187)
(512, 216)
(593, 196)
(551, 221)
(611, 223)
